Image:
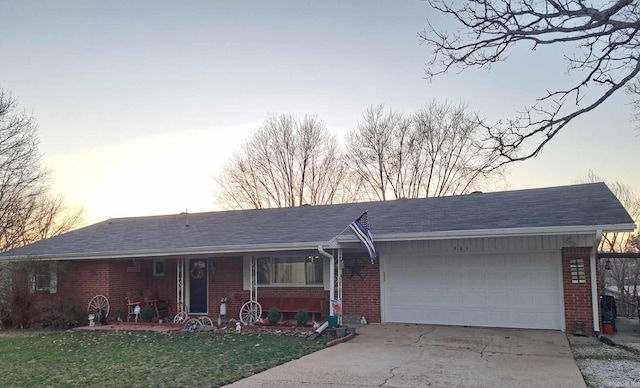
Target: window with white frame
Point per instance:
(290, 270)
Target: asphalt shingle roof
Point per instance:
(565, 206)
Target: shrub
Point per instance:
(62, 314)
(301, 318)
(273, 317)
(20, 305)
(147, 314)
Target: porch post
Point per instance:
(180, 282)
(340, 265)
(253, 293)
(594, 281)
(332, 279)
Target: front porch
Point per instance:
(202, 283)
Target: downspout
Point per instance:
(332, 270)
(594, 281)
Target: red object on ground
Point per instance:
(607, 328)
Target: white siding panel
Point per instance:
(485, 245)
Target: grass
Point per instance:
(141, 359)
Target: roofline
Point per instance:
(333, 243)
(503, 232)
(172, 252)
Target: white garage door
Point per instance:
(496, 290)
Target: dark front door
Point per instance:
(198, 286)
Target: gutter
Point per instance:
(502, 232)
(332, 270)
(178, 252)
(594, 282)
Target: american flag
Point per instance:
(360, 228)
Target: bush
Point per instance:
(301, 318)
(62, 314)
(147, 314)
(273, 317)
(21, 301)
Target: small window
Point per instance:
(307, 270)
(43, 277)
(158, 268)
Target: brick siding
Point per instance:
(577, 296)
(82, 279)
(361, 294)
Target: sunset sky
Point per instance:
(140, 103)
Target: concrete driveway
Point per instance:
(399, 355)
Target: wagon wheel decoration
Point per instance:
(250, 312)
(181, 313)
(193, 324)
(99, 304)
(206, 321)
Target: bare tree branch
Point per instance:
(619, 241)
(606, 37)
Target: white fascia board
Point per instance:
(231, 249)
(507, 232)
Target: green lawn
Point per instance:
(141, 359)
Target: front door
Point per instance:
(198, 286)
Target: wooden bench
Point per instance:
(295, 304)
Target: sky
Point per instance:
(140, 104)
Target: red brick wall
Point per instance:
(361, 295)
(82, 279)
(163, 286)
(577, 297)
(226, 282)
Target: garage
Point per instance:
(515, 290)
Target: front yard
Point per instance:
(137, 359)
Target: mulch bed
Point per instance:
(176, 327)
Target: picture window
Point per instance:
(306, 270)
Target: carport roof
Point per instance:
(581, 208)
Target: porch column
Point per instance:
(180, 282)
(332, 291)
(340, 265)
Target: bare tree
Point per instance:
(608, 60)
(620, 274)
(370, 150)
(28, 212)
(51, 216)
(434, 152)
(288, 162)
(618, 242)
